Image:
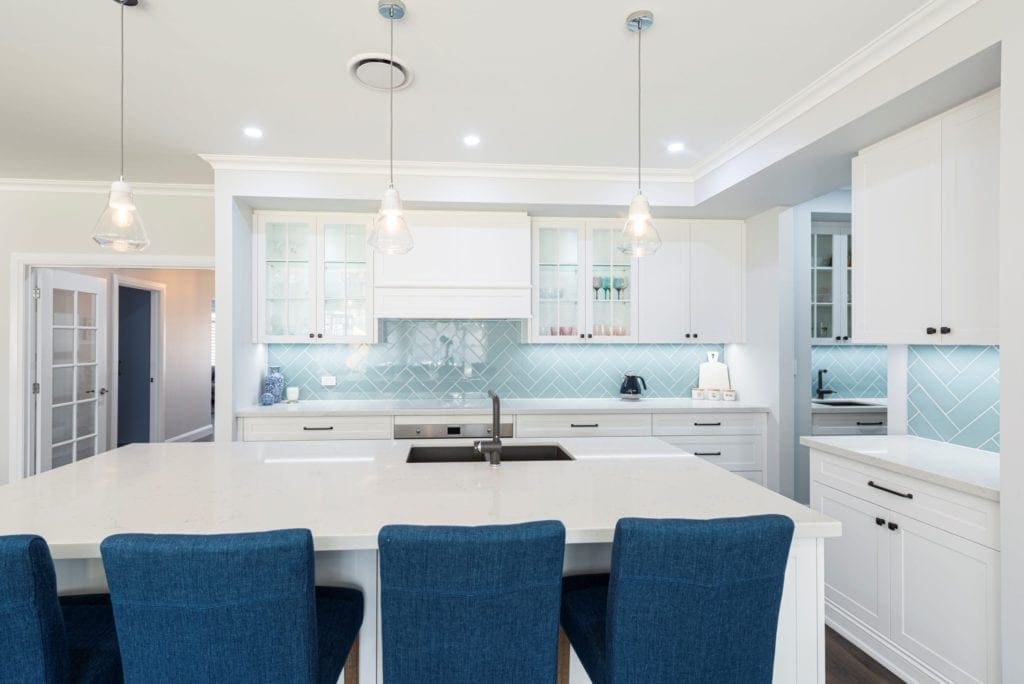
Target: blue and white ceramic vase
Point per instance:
(266, 399)
(274, 383)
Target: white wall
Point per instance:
(187, 387)
(762, 368)
(44, 218)
(1011, 352)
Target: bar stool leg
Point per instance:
(352, 664)
(563, 657)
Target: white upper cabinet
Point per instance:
(925, 231)
(691, 290)
(584, 288)
(313, 278)
(462, 265)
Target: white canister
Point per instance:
(729, 395)
(292, 394)
(715, 394)
(698, 393)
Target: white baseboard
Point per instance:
(192, 435)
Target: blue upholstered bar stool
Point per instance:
(471, 604)
(46, 639)
(686, 601)
(227, 608)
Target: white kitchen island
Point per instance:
(346, 491)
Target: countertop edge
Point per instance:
(972, 488)
(315, 412)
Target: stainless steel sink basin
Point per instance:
(467, 454)
(841, 402)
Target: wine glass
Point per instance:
(596, 281)
(606, 285)
(624, 285)
(617, 284)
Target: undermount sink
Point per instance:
(467, 454)
(841, 402)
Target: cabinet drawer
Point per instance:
(584, 425)
(866, 423)
(708, 423)
(738, 453)
(964, 515)
(295, 428)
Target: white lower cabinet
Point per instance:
(300, 428)
(584, 425)
(920, 599)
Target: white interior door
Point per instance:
(71, 368)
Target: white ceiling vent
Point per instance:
(372, 70)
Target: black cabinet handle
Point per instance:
(879, 522)
(590, 335)
(861, 422)
(319, 335)
(694, 335)
(846, 337)
(707, 453)
(687, 335)
(893, 526)
(317, 429)
(838, 338)
(583, 425)
(707, 424)
(905, 495)
(930, 331)
(945, 330)
(582, 336)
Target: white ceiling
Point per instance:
(542, 82)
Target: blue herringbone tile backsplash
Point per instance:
(439, 359)
(953, 395)
(854, 371)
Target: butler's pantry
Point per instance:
(389, 341)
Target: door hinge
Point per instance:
(36, 293)
(35, 388)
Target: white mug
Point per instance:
(292, 393)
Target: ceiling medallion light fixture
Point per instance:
(390, 234)
(639, 237)
(120, 226)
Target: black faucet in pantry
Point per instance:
(821, 384)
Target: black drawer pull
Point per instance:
(317, 429)
(583, 425)
(707, 453)
(945, 330)
(907, 495)
(707, 424)
(879, 522)
(893, 526)
(861, 422)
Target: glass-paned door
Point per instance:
(345, 281)
(612, 286)
(831, 281)
(561, 314)
(287, 258)
(71, 368)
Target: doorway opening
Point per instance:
(102, 372)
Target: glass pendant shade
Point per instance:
(639, 237)
(390, 234)
(120, 226)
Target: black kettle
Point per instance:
(630, 388)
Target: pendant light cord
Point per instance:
(639, 87)
(122, 90)
(391, 103)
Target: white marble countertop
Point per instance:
(371, 407)
(346, 491)
(972, 471)
(872, 406)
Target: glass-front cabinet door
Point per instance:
(582, 285)
(345, 279)
(610, 276)
(559, 269)
(831, 282)
(313, 278)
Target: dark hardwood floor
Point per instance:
(847, 664)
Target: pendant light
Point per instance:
(390, 234)
(120, 226)
(639, 237)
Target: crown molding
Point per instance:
(230, 162)
(911, 29)
(102, 187)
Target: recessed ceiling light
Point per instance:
(471, 140)
(675, 147)
(253, 132)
